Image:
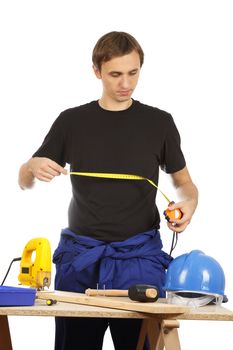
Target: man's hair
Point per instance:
(115, 44)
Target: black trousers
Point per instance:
(87, 333)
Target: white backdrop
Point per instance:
(46, 67)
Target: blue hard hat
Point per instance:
(195, 272)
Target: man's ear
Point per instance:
(96, 71)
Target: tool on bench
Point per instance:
(36, 272)
(137, 292)
(111, 302)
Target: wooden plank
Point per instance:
(122, 303)
(70, 310)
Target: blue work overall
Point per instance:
(83, 262)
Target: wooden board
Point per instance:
(40, 308)
(208, 312)
(122, 303)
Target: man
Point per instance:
(112, 240)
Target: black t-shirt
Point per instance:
(135, 141)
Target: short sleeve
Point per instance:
(53, 146)
(172, 159)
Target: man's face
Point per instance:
(119, 77)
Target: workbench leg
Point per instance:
(161, 334)
(5, 337)
(170, 334)
(151, 330)
(142, 335)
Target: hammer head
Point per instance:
(143, 293)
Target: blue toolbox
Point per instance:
(17, 296)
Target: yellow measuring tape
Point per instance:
(167, 212)
(119, 177)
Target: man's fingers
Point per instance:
(180, 221)
(45, 175)
(44, 178)
(56, 168)
(178, 226)
(45, 169)
(64, 171)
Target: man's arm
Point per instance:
(43, 169)
(188, 195)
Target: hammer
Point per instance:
(137, 292)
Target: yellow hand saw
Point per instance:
(35, 265)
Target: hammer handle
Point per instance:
(107, 292)
(149, 292)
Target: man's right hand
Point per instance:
(45, 169)
(41, 168)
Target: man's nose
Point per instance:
(125, 82)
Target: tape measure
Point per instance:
(169, 214)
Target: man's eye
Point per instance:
(115, 75)
(134, 72)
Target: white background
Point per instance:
(45, 68)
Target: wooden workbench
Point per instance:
(161, 328)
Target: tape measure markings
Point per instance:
(119, 177)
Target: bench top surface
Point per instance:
(211, 312)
